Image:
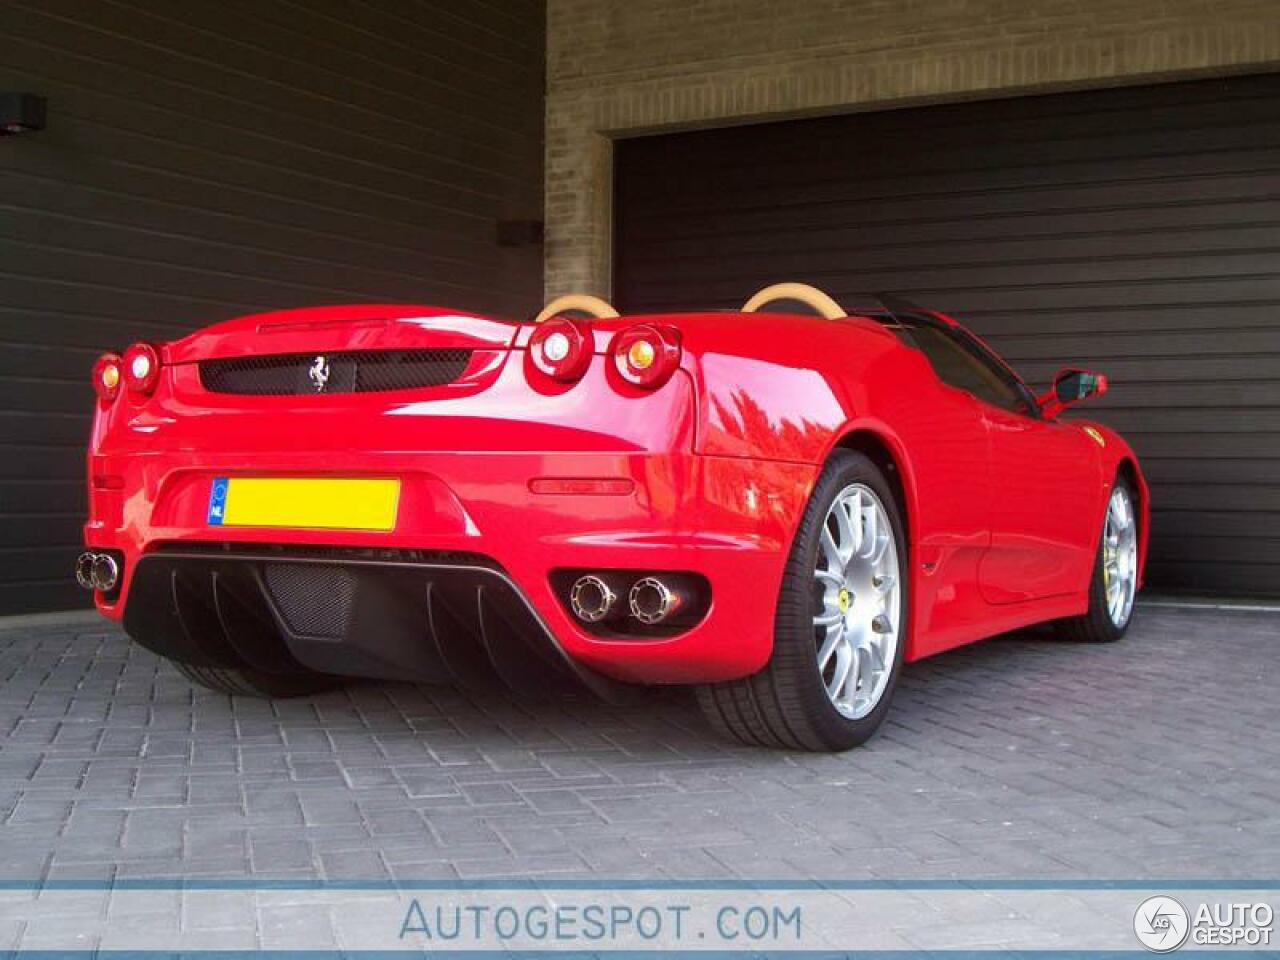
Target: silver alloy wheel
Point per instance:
(859, 599)
(1120, 556)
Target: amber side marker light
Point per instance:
(107, 376)
(646, 356)
(583, 486)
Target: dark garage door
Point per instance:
(204, 160)
(1136, 231)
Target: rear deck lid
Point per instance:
(353, 328)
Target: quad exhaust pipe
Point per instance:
(654, 600)
(593, 599)
(97, 571)
(650, 600)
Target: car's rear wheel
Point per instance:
(1114, 584)
(255, 683)
(840, 627)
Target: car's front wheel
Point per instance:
(840, 627)
(1114, 584)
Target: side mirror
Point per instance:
(1070, 387)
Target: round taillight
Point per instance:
(561, 348)
(646, 356)
(141, 368)
(107, 376)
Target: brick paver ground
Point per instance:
(1020, 757)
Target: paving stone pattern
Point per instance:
(1021, 757)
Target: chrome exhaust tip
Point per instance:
(592, 599)
(652, 601)
(104, 573)
(84, 569)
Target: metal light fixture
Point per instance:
(21, 113)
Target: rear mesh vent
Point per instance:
(364, 371)
(315, 600)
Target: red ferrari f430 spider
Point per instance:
(780, 505)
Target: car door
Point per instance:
(1044, 481)
(941, 423)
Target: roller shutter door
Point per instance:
(1135, 231)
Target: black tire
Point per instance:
(786, 704)
(1095, 625)
(254, 683)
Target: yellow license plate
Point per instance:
(319, 503)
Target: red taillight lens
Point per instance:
(107, 374)
(561, 348)
(646, 356)
(141, 368)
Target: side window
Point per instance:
(960, 363)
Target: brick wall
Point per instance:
(622, 67)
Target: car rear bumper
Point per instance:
(407, 615)
(466, 577)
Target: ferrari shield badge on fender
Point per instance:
(1097, 436)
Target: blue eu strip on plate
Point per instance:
(217, 501)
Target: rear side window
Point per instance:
(960, 363)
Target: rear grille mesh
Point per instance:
(315, 600)
(363, 371)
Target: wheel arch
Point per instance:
(886, 453)
(1129, 470)
(1127, 467)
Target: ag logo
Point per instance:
(1161, 924)
(319, 373)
